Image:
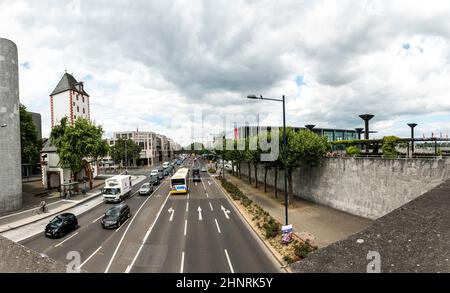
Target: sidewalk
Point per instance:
(20, 219)
(320, 224)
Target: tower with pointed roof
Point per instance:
(69, 99)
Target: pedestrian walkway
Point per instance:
(320, 224)
(20, 219)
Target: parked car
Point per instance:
(116, 216)
(61, 225)
(146, 189)
(154, 180)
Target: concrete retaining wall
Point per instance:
(365, 187)
(15, 258)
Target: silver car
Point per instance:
(146, 189)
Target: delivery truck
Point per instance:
(117, 188)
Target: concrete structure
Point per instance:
(414, 238)
(156, 148)
(369, 188)
(69, 99)
(19, 259)
(37, 120)
(10, 157)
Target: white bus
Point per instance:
(179, 183)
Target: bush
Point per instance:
(301, 250)
(389, 144)
(272, 228)
(353, 151)
(212, 171)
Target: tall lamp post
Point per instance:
(283, 100)
(366, 118)
(412, 125)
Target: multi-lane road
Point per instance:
(198, 232)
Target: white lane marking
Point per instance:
(128, 227)
(200, 218)
(207, 196)
(188, 196)
(89, 258)
(97, 219)
(210, 204)
(225, 211)
(127, 271)
(195, 183)
(229, 262)
(218, 228)
(209, 182)
(187, 207)
(59, 244)
(204, 187)
(172, 212)
(185, 227)
(182, 263)
(147, 235)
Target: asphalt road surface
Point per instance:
(198, 232)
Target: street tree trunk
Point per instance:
(275, 183)
(249, 173)
(265, 178)
(291, 187)
(256, 175)
(240, 171)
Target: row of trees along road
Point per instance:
(77, 143)
(305, 149)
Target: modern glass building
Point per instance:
(332, 134)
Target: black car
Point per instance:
(196, 175)
(154, 180)
(61, 225)
(161, 173)
(116, 216)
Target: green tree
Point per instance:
(30, 144)
(78, 143)
(388, 147)
(304, 148)
(124, 151)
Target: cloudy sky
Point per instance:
(156, 65)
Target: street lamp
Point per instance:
(412, 125)
(366, 118)
(283, 100)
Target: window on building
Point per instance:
(77, 97)
(74, 104)
(124, 136)
(75, 117)
(118, 136)
(111, 142)
(339, 135)
(84, 111)
(328, 135)
(78, 109)
(83, 99)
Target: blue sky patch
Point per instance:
(300, 80)
(406, 46)
(26, 65)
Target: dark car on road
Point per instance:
(161, 173)
(116, 216)
(196, 175)
(61, 225)
(154, 180)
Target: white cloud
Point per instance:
(151, 61)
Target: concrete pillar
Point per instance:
(10, 158)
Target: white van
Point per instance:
(116, 188)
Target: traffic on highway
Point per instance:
(178, 220)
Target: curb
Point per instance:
(283, 266)
(93, 196)
(52, 214)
